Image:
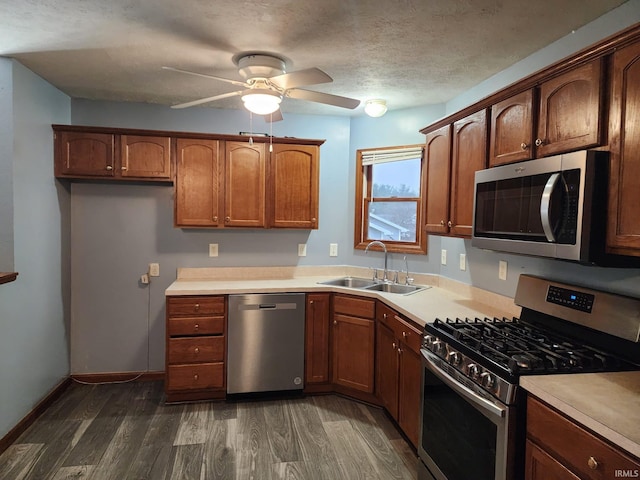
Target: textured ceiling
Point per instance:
(409, 52)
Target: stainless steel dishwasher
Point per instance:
(265, 342)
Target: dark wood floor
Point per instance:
(125, 431)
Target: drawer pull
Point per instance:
(394, 345)
(384, 315)
(196, 327)
(593, 463)
(196, 350)
(404, 335)
(195, 377)
(335, 322)
(196, 307)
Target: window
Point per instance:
(389, 198)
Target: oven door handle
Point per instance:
(545, 207)
(484, 404)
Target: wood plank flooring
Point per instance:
(126, 432)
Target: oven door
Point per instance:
(464, 433)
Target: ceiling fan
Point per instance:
(266, 84)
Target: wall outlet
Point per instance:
(154, 269)
(302, 249)
(443, 257)
(502, 270)
(463, 261)
(333, 249)
(213, 249)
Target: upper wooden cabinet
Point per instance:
(565, 113)
(96, 154)
(244, 185)
(623, 229)
(454, 153)
(294, 173)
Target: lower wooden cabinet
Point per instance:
(316, 369)
(353, 342)
(558, 448)
(399, 369)
(196, 348)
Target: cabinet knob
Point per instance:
(384, 315)
(405, 334)
(310, 302)
(227, 219)
(196, 326)
(593, 463)
(399, 351)
(442, 222)
(449, 224)
(195, 377)
(196, 350)
(109, 167)
(215, 218)
(335, 322)
(196, 307)
(394, 345)
(313, 219)
(539, 142)
(123, 168)
(524, 146)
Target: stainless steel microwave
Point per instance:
(549, 207)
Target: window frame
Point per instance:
(363, 190)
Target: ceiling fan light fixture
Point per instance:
(261, 101)
(375, 108)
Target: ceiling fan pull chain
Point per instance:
(271, 133)
(251, 128)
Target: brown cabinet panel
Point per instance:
(353, 352)
(360, 307)
(469, 156)
(294, 183)
(196, 305)
(145, 156)
(512, 130)
(580, 451)
(196, 349)
(198, 181)
(570, 110)
(542, 466)
(245, 180)
(317, 338)
(623, 229)
(409, 392)
(438, 168)
(201, 376)
(85, 154)
(387, 368)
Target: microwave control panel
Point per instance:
(570, 298)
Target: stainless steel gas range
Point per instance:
(473, 411)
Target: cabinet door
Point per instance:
(469, 155)
(570, 110)
(353, 352)
(409, 382)
(85, 154)
(623, 229)
(294, 177)
(387, 368)
(245, 175)
(438, 164)
(145, 157)
(541, 466)
(511, 137)
(197, 186)
(317, 338)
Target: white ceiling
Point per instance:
(409, 52)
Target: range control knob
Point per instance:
(454, 358)
(428, 340)
(438, 347)
(473, 370)
(487, 379)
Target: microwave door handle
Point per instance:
(484, 404)
(545, 204)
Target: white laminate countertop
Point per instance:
(606, 403)
(444, 298)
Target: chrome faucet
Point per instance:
(384, 247)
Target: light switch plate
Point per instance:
(443, 257)
(213, 249)
(502, 270)
(302, 249)
(463, 261)
(333, 249)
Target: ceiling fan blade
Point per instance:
(273, 117)
(320, 97)
(309, 76)
(207, 100)
(228, 80)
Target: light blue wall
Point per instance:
(6, 166)
(34, 348)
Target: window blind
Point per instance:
(373, 157)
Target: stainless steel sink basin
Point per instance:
(396, 288)
(350, 282)
(369, 284)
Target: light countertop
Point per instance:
(606, 403)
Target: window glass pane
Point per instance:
(392, 221)
(396, 179)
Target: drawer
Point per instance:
(385, 315)
(195, 377)
(182, 326)
(409, 334)
(573, 445)
(355, 306)
(196, 349)
(195, 305)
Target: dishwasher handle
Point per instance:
(268, 306)
(264, 306)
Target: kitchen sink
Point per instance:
(396, 288)
(369, 284)
(351, 282)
